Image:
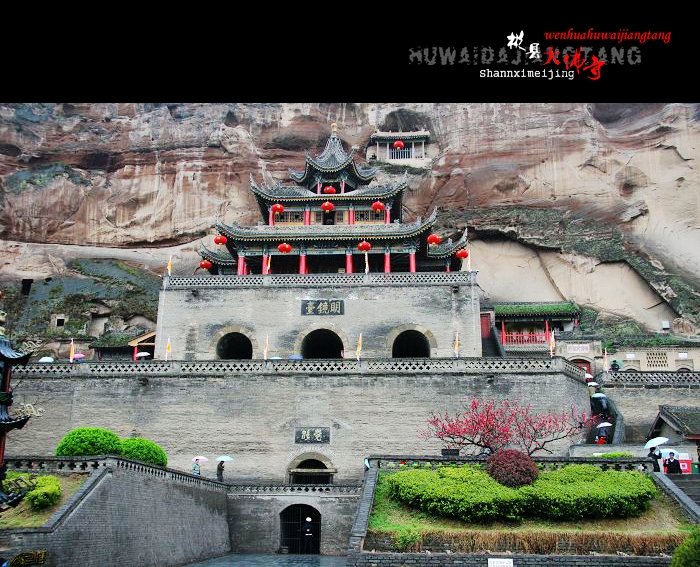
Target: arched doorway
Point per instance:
(311, 471)
(293, 526)
(582, 364)
(411, 344)
(322, 343)
(234, 346)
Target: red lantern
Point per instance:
(398, 145)
(284, 248)
(434, 239)
(462, 254)
(328, 207)
(277, 208)
(329, 190)
(206, 265)
(378, 206)
(364, 246)
(221, 239)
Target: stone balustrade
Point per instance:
(546, 463)
(320, 489)
(301, 367)
(322, 280)
(650, 379)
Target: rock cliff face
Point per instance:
(576, 185)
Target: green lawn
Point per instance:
(24, 517)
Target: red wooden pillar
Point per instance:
(302, 264)
(503, 332)
(307, 216)
(546, 330)
(246, 269)
(271, 217)
(318, 187)
(342, 185)
(348, 263)
(264, 264)
(241, 265)
(387, 215)
(351, 215)
(412, 261)
(387, 262)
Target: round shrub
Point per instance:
(144, 450)
(687, 554)
(511, 468)
(45, 494)
(87, 441)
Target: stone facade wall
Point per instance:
(255, 520)
(123, 516)
(254, 416)
(439, 559)
(195, 319)
(640, 405)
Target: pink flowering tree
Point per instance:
(490, 426)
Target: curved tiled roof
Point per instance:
(221, 258)
(400, 135)
(298, 193)
(448, 248)
(277, 233)
(332, 159)
(8, 354)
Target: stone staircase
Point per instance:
(689, 484)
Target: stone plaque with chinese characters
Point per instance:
(312, 435)
(322, 307)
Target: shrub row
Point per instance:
(46, 493)
(573, 492)
(89, 441)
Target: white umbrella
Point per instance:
(142, 354)
(598, 395)
(199, 457)
(604, 424)
(225, 458)
(655, 442)
(589, 375)
(46, 359)
(594, 384)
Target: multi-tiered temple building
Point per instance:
(331, 259)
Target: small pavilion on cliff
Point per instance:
(332, 219)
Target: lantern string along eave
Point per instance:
(365, 247)
(378, 206)
(327, 207)
(206, 264)
(220, 239)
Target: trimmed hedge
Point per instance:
(573, 492)
(512, 468)
(88, 441)
(46, 494)
(688, 553)
(144, 450)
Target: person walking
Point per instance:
(307, 536)
(220, 471)
(655, 454)
(195, 468)
(673, 465)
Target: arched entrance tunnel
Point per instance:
(411, 344)
(311, 471)
(298, 535)
(234, 346)
(322, 343)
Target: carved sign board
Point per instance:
(578, 349)
(322, 307)
(312, 435)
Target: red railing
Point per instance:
(525, 339)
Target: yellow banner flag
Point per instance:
(358, 352)
(71, 352)
(552, 343)
(168, 348)
(170, 265)
(456, 345)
